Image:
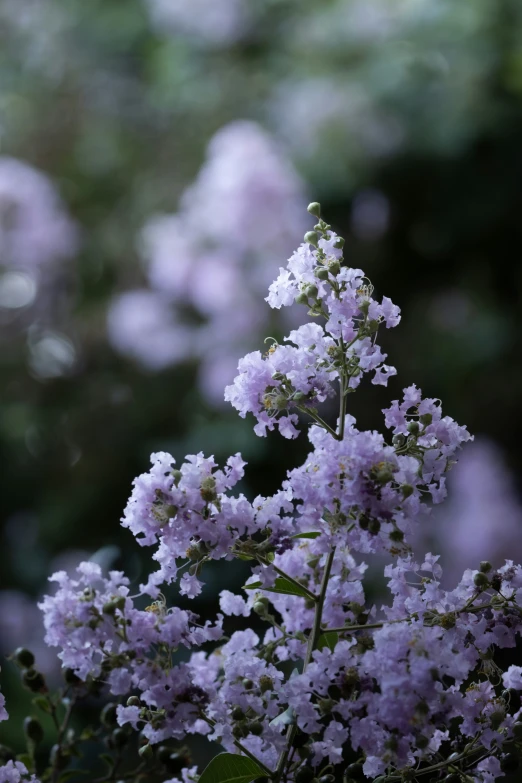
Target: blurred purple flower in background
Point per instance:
(36, 237)
(482, 517)
(210, 265)
(217, 22)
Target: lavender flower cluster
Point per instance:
(334, 688)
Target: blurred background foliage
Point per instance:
(136, 244)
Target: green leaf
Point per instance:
(312, 534)
(281, 585)
(43, 703)
(231, 768)
(328, 639)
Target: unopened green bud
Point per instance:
(255, 727)
(176, 474)
(109, 607)
(374, 526)
(355, 770)
(24, 657)
(312, 237)
(133, 701)
(321, 272)
(208, 489)
(383, 476)
(397, 536)
(339, 243)
(304, 775)
(119, 738)
(334, 267)
(237, 713)
(314, 208)
(278, 376)
(248, 684)
(299, 396)
(406, 490)
(312, 291)
(33, 730)
(70, 677)
(398, 441)
(108, 715)
(326, 706)
(426, 419)
(422, 742)
(34, 680)
(481, 581)
(413, 427)
(261, 606)
(301, 298)
(485, 566)
(146, 752)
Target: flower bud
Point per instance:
(480, 580)
(108, 715)
(406, 490)
(304, 775)
(398, 441)
(34, 680)
(327, 779)
(301, 298)
(33, 730)
(255, 727)
(146, 752)
(176, 475)
(119, 738)
(133, 701)
(374, 526)
(339, 243)
(413, 427)
(312, 291)
(312, 237)
(321, 272)
(314, 208)
(485, 566)
(334, 268)
(517, 730)
(237, 713)
(24, 657)
(208, 489)
(355, 771)
(248, 684)
(397, 536)
(70, 677)
(278, 376)
(426, 419)
(299, 396)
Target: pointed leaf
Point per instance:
(231, 768)
(312, 534)
(328, 639)
(281, 585)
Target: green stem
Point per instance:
(312, 643)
